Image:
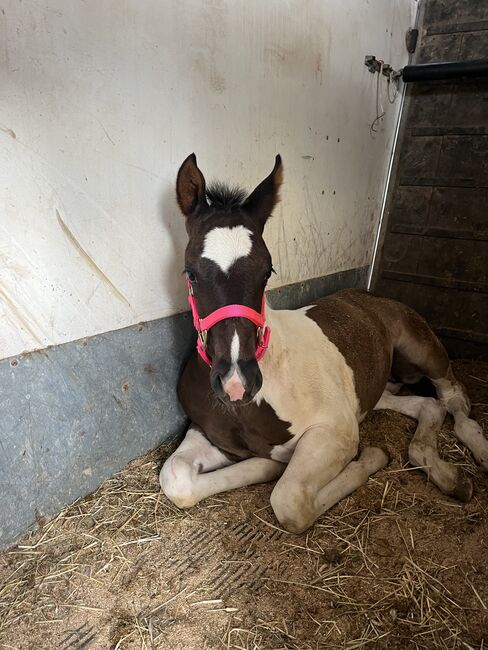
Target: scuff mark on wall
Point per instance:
(16, 313)
(207, 44)
(207, 67)
(89, 261)
(9, 132)
(318, 67)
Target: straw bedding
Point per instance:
(396, 565)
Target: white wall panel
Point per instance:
(100, 102)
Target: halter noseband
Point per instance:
(202, 325)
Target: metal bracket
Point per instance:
(411, 38)
(374, 66)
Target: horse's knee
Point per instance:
(293, 506)
(177, 481)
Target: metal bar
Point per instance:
(379, 230)
(373, 270)
(442, 71)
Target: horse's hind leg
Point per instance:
(418, 352)
(453, 395)
(422, 451)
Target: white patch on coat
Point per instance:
(196, 447)
(234, 348)
(195, 455)
(224, 246)
(451, 394)
(408, 405)
(306, 380)
(233, 383)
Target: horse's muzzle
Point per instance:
(239, 383)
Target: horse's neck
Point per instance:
(283, 324)
(274, 320)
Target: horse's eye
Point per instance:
(191, 277)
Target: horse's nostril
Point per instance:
(258, 383)
(219, 371)
(252, 377)
(216, 383)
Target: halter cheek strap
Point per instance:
(202, 325)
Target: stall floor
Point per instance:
(396, 565)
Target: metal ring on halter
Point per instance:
(202, 335)
(259, 334)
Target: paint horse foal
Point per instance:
(294, 414)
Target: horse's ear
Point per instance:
(262, 200)
(190, 187)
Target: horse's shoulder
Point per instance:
(351, 321)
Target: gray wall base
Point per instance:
(74, 414)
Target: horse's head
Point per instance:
(228, 263)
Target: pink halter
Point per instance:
(202, 325)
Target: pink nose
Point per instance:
(234, 388)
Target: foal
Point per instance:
(286, 400)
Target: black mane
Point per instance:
(225, 197)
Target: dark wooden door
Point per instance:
(435, 251)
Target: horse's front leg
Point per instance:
(320, 473)
(198, 469)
